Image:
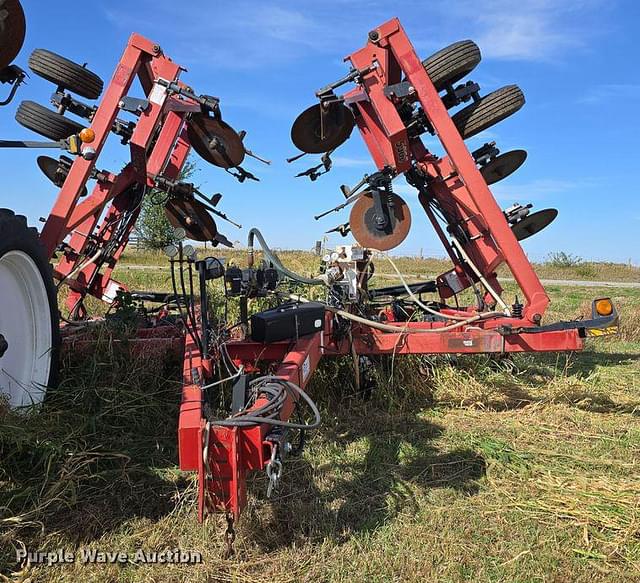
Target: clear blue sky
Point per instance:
(576, 61)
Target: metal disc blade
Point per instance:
(12, 32)
(503, 165)
(366, 231)
(316, 133)
(533, 223)
(216, 141)
(55, 171)
(193, 217)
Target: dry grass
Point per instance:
(424, 267)
(456, 469)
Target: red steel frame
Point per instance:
(158, 146)
(459, 186)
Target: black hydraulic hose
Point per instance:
(184, 319)
(276, 388)
(189, 306)
(273, 258)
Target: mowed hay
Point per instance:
(94, 452)
(629, 322)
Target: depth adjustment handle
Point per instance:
(353, 75)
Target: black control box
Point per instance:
(287, 322)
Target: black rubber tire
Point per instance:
(452, 63)
(65, 73)
(490, 110)
(16, 235)
(45, 122)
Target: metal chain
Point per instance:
(229, 537)
(205, 451)
(274, 470)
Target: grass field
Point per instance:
(457, 469)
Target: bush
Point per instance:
(562, 259)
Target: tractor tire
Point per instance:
(65, 73)
(29, 318)
(45, 122)
(12, 32)
(452, 63)
(490, 110)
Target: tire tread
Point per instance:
(490, 110)
(45, 122)
(452, 63)
(63, 72)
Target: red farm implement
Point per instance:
(263, 362)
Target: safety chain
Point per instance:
(205, 451)
(274, 470)
(229, 537)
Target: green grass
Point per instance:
(457, 469)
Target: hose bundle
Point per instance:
(276, 390)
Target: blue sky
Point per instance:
(576, 61)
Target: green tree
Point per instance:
(152, 226)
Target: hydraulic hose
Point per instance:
(396, 329)
(275, 260)
(276, 389)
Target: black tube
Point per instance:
(204, 307)
(273, 258)
(269, 412)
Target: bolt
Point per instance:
(374, 36)
(537, 318)
(156, 49)
(4, 345)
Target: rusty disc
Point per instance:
(533, 223)
(315, 133)
(227, 149)
(193, 217)
(364, 225)
(56, 170)
(12, 31)
(503, 165)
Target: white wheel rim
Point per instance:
(25, 323)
